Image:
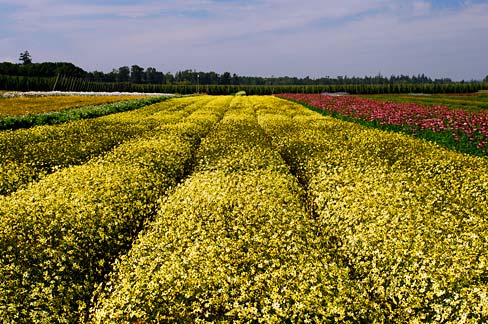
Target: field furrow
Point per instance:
(245, 209)
(32, 106)
(27, 155)
(406, 217)
(233, 243)
(59, 237)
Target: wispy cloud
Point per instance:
(262, 37)
(421, 8)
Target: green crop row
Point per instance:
(60, 236)
(23, 83)
(233, 243)
(472, 102)
(28, 154)
(63, 116)
(408, 219)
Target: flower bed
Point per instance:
(456, 128)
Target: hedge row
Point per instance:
(29, 105)
(59, 237)
(63, 116)
(28, 154)
(73, 84)
(233, 243)
(406, 217)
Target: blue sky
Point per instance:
(442, 38)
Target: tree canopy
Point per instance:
(25, 58)
(139, 75)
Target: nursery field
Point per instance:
(460, 129)
(59, 110)
(238, 209)
(36, 105)
(474, 102)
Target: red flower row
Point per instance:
(409, 116)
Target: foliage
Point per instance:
(25, 57)
(76, 84)
(45, 76)
(472, 102)
(232, 244)
(29, 154)
(63, 116)
(60, 236)
(150, 75)
(46, 69)
(286, 216)
(32, 106)
(463, 130)
(407, 218)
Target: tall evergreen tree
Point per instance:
(25, 58)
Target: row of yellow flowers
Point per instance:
(29, 154)
(37, 105)
(407, 218)
(59, 237)
(233, 243)
(289, 216)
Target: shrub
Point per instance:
(232, 243)
(60, 236)
(406, 217)
(28, 154)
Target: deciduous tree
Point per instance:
(136, 74)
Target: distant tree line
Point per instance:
(47, 69)
(139, 75)
(25, 83)
(67, 76)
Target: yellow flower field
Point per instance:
(409, 219)
(246, 209)
(28, 154)
(37, 105)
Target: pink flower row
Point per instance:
(408, 115)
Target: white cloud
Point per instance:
(259, 37)
(8, 50)
(421, 8)
(7, 59)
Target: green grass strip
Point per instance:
(51, 118)
(27, 155)
(443, 138)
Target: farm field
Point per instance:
(472, 102)
(460, 129)
(29, 154)
(36, 105)
(76, 113)
(239, 209)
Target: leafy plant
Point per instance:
(60, 236)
